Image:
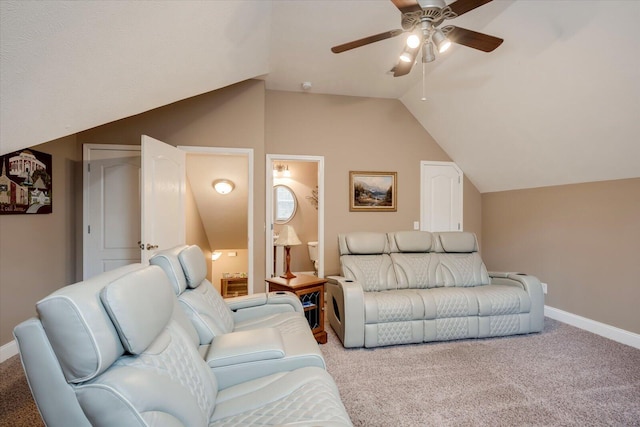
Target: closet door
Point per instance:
(111, 211)
(440, 196)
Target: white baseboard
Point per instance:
(602, 329)
(8, 350)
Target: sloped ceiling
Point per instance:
(224, 216)
(557, 103)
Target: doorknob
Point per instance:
(149, 247)
(140, 245)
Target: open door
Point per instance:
(163, 185)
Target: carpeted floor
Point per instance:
(561, 377)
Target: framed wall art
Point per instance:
(372, 191)
(25, 183)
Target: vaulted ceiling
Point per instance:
(558, 102)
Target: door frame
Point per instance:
(86, 149)
(243, 152)
(269, 221)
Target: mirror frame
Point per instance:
(275, 204)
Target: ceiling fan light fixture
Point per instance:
(413, 41)
(441, 41)
(406, 57)
(427, 53)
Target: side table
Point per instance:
(310, 290)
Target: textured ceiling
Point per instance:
(557, 103)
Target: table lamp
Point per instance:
(288, 238)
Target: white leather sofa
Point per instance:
(243, 337)
(117, 350)
(416, 286)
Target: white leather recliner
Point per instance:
(242, 337)
(116, 350)
(416, 286)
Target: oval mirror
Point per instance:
(284, 204)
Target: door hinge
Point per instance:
(89, 167)
(458, 226)
(88, 229)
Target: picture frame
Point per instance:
(371, 191)
(26, 183)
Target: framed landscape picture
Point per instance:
(372, 191)
(25, 183)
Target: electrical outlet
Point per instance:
(416, 225)
(544, 288)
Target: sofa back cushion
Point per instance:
(364, 257)
(459, 262)
(414, 264)
(79, 329)
(203, 303)
(373, 272)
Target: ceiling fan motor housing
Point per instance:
(432, 10)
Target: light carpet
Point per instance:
(563, 376)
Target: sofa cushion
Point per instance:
(392, 306)
(140, 305)
(303, 397)
(363, 243)
(79, 329)
(410, 241)
(449, 302)
(499, 299)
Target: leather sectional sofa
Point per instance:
(416, 286)
(120, 349)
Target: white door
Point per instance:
(163, 184)
(440, 196)
(111, 212)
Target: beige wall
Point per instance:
(365, 134)
(38, 252)
(583, 240)
(195, 233)
(42, 253)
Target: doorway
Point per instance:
(129, 227)
(301, 179)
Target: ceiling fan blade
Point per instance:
(461, 7)
(402, 68)
(480, 41)
(407, 5)
(365, 41)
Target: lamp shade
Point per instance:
(223, 186)
(287, 237)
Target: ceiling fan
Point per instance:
(421, 19)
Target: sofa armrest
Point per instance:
(346, 310)
(245, 347)
(531, 286)
(249, 307)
